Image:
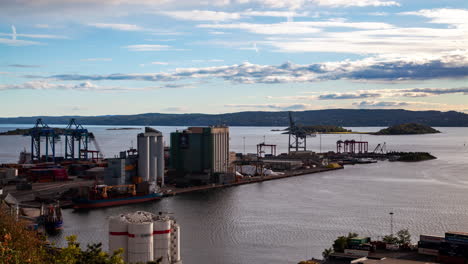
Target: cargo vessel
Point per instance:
(104, 196)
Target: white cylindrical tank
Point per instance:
(143, 157)
(162, 239)
(160, 157)
(153, 152)
(118, 235)
(140, 242)
(175, 244)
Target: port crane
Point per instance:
(297, 136)
(76, 134)
(42, 130)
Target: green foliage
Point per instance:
(342, 242)
(390, 239)
(407, 129)
(21, 245)
(402, 237)
(325, 129)
(326, 253)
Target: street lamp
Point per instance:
(391, 223)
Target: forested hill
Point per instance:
(336, 117)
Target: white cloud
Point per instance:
(286, 28)
(121, 27)
(358, 3)
(147, 47)
(443, 65)
(18, 42)
(85, 86)
(278, 107)
(202, 15)
(159, 63)
(456, 17)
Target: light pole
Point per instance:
(391, 223)
(243, 138)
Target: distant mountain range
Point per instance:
(336, 117)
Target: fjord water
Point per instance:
(287, 220)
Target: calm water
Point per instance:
(288, 220)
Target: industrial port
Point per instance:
(197, 159)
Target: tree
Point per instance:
(404, 237)
(342, 242)
(326, 253)
(390, 239)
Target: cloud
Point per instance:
(121, 27)
(218, 16)
(279, 107)
(147, 47)
(380, 104)
(97, 59)
(202, 15)
(18, 42)
(85, 86)
(445, 65)
(357, 3)
(159, 63)
(175, 109)
(456, 17)
(24, 66)
(340, 96)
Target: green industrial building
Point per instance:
(200, 153)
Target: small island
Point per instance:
(323, 129)
(407, 129)
(26, 131)
(124, 128)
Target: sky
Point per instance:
(105, 57)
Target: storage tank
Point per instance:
(175, 244)
(143, 156)
(162, 239)
(118, 235)
(140, 242)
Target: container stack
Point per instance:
(145, 237)
(429, 245)
(454, 249)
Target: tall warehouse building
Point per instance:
(200, 153)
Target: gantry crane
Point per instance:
(297, 136)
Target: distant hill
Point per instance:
(335, 117)
(407, 129)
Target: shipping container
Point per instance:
(428, 251)
(429, 238)
(459, 237)
(430, 245)
(356, 253)
(359, 240)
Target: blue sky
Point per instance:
(90, 57)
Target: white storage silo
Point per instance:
(118, 235)
(175, 244)
(162, 239)
(143, 156)
(140, 242)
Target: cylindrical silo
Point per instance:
(153, 152)
(175, 243)
(118, 235)
(140, 242)
(160, 156)
(162, 239)
(143, 157)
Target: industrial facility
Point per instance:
(200, 155)
(145, 237)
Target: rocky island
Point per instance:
(407, 129)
